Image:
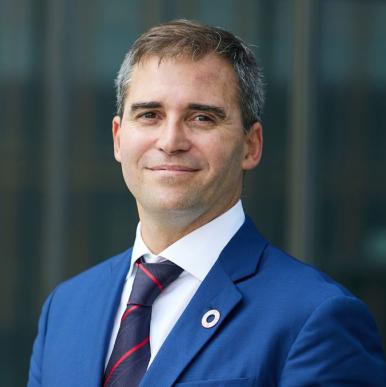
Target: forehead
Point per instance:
(209, 78)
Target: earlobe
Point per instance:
(116, 128)
(253, 147)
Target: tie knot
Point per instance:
(151, 279)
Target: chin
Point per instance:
(172, 205)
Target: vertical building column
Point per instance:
(56, 144)
(300, 215)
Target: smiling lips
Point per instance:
(172, 168)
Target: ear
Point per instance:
(116, 128)
(253, 147)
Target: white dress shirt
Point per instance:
(195, 253)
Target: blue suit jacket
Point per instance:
(283, 323)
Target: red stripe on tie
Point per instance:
(124, 357)
(151, 276)
(128, 311)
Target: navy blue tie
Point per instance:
(131, 354)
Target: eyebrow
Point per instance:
(218, 111)
(144, 105)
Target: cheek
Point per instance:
(133, 147)
(130, 159)
(224, 153)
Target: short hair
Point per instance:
(186, 39)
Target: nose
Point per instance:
(173, 137)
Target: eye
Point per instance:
(148, 115)
(202, 118)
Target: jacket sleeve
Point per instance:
(337, 346)
(35, 370)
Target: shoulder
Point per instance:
(298, 284)
(271, 274)
(288, 291)
(88, 279)
(297, 273)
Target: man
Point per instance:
(238, 311)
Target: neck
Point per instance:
(160, 231)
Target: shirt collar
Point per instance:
(196, 252)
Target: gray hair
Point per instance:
(187, 39)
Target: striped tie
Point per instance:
(131, 354)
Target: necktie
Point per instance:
(131, 354)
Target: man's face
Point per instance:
(180, 141)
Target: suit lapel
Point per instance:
(99, 317)
(218, 291)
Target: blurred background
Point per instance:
(319, 193)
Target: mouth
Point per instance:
(173, 168)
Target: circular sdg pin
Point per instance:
(210, 318)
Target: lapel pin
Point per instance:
(210, 318)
